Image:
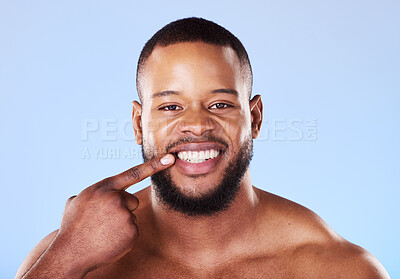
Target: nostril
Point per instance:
(197, 124)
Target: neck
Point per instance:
(175, 232)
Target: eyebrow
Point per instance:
(226, 90)
(165, 93)
(173, 92)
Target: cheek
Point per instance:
(148, 137)
(238, 128)
(245, 124)
(157, 135)
(245, 131)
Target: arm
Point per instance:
(88, 238)
(35, 254)
(48, 261)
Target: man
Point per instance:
(201, 217)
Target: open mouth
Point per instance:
(196, 157)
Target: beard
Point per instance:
(216, 200)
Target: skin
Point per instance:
(260, 236)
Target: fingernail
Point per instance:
(167, 159)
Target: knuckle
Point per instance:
(106, 183)
(134, 173)
(69, 201)
(154, 165)
(87, 193)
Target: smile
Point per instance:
(198, 158)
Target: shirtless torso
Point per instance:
(287, 241)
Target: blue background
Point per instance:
(334, 64)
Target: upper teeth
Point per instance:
(198, 156)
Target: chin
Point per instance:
(196, 186)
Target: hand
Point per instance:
(99, 225)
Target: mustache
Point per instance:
(188, 139)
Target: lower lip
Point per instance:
(199, 168)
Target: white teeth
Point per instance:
(195, 157)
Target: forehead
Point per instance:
(191, 66)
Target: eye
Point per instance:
(170, 107)
(220, 106)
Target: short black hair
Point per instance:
(194, 29)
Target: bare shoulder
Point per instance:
(35, 254)
(340, 259)
(313, 248)
(294, 223)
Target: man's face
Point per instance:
(196, 106)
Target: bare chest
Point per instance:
(158, 268)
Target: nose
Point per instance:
(196, 122)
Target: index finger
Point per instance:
(136, 174)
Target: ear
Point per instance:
(137, 121)
(256, 111)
